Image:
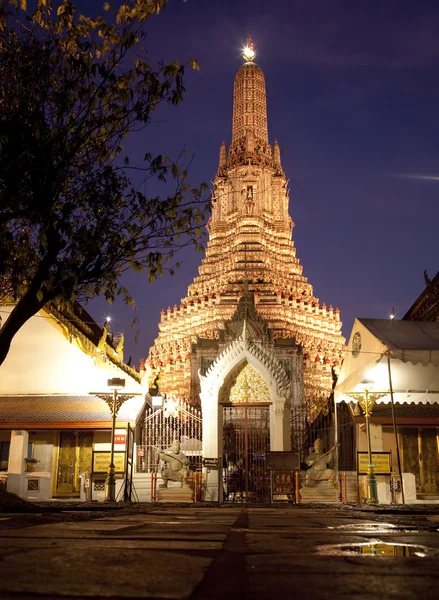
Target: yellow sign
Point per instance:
(283, 482)
(382, 462)
(101, 462)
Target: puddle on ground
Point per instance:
(374, 528)
(378, 548)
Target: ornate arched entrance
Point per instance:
(245, 400)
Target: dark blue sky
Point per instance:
(353, 95)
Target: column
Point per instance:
(17, 453)
(211, 425)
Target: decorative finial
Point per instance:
(249, 51)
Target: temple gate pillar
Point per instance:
(211, 427)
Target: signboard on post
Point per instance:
(101, 462)
(283, 460)
(211, 463)
(382, 462)
(282, 483)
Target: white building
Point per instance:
(48, 415)
(409, 351)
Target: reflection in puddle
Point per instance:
(378, 548)
(372, 528)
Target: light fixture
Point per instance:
(367, 401)
(157, 401)
(116, 383)
(249, 51)
(114, 401)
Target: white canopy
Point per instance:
(413, 350)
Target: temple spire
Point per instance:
(249, 128)
(222, 157)
(276, 155)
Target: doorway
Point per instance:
(74, 458)
(420, 456)
(246, 441)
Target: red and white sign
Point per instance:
(120, 439)
(140, 452)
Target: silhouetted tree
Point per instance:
(71, 218)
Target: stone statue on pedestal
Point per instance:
(318, 463)
(177, 465)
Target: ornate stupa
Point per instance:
(250, 248)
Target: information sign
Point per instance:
(283, 483)
(211, 463)
(283, 460)
(101, 462)
(382, 462)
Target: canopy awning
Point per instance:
(413, 352)
(408, 341)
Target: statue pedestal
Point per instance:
(319, 493)
(174, 493)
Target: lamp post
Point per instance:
(114, 402)
(367, 401)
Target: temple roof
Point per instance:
(54, 412)
(407, 410)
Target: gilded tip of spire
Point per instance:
(249, 51)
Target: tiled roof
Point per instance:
(53, 409)
(406, 410)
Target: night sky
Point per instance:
(353, 97)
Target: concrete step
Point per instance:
(141, 487)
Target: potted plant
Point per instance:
(30, 464)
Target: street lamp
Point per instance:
(367, 401)
(114, 402)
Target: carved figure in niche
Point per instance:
(249, 203)
(318, 463)
(177, 465)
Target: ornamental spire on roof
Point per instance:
(249, 129)
(249, 51)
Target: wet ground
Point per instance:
(212, 552)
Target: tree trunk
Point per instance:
(27, 307)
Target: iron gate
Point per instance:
(306, 427)
(246, 441)
(176, 420)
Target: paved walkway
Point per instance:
(212, 553)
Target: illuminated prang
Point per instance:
(250, 248)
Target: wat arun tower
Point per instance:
(250, 253)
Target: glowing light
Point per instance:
(378, 377)
(108, 318)
(249, 51)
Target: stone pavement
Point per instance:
(217, 552)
